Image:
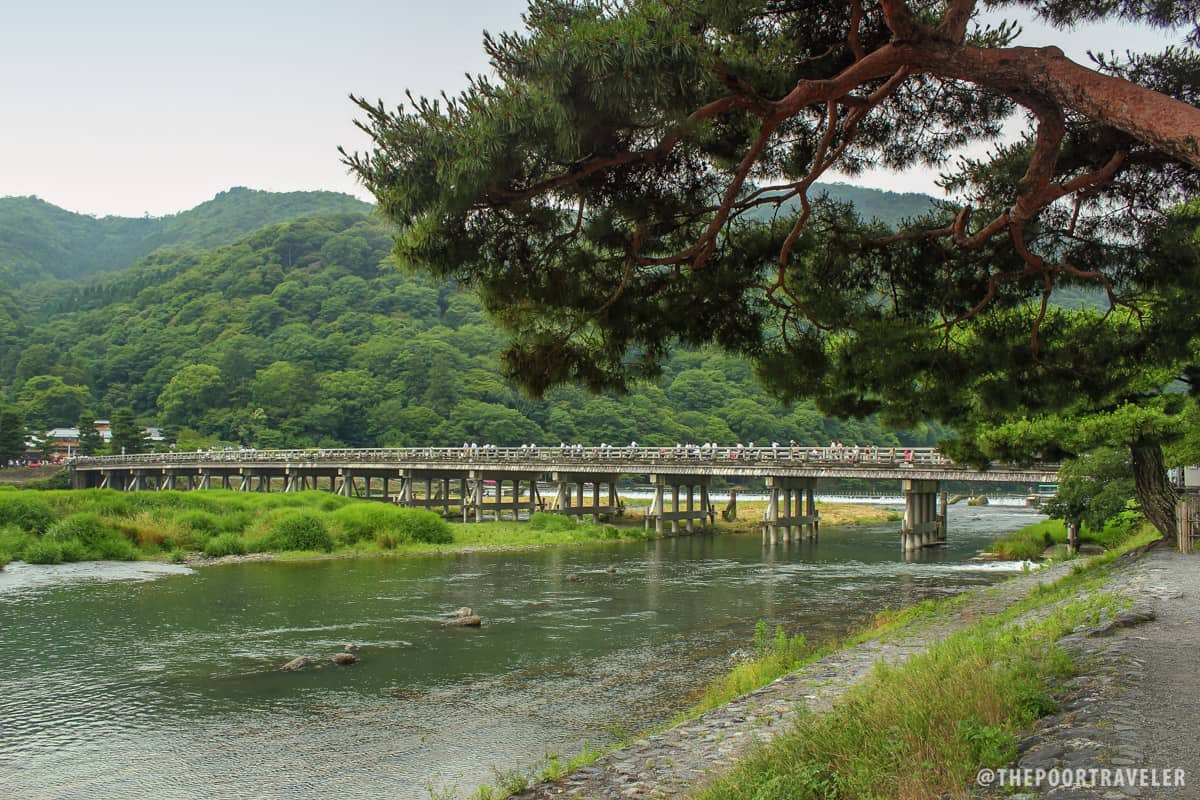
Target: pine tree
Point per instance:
(639, 175)
(12, 435)
(128, 437)
(90, 440)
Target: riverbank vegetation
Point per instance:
(1030, 543)
(56, 526)
(925, 728)
(772, 657)
(48, 527)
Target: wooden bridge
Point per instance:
(481, 481)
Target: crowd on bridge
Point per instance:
(792, 452)
(836, 452)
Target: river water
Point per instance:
(157, 681)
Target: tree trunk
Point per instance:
(1155, 494)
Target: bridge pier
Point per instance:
(575, 483)
(924, 525)
(697, 488)
(791, 509)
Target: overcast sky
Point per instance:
(131, 107)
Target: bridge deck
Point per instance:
(730, 462)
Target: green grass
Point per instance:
(171, 524)
(924, 729)
(773, 657)
(920, 730)
(1030, 542)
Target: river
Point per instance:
(157, 681)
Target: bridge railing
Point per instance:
(588, 457)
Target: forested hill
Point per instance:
(39, 241)
(890, 208)
(304, 333)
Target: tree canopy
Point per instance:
(638, 175)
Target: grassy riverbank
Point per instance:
(49, 527)
(55, 526)
(924, 729)
(1031, 542)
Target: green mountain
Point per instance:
(305, 333)
(39, 241)
(890, 208)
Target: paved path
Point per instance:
(1135, 702)
(670, 764)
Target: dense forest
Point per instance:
(306, 333)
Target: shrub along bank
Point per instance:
(55, 526)
(50, 527)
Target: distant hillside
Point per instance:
(40, 241)
(890, 208)
(306, 334)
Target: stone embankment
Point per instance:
(672, 763)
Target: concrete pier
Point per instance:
(693, 490)
(924, 524)
(571, 494)
(791, 510)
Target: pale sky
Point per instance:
(130, 107)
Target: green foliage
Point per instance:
(128, 437)
(26, 510)
(298, 530)
(40, 551)
(12, 435)
(1093, 488)
(420, 525)
(388, 525)
(203, 523)
(227, 544)
(48, 401)
(294, 337)
(542, 521)
(925, 728)
(14, 541)
(90, 441)
(773, 657)
(87, 536)
(1030, 542)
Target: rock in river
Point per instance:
(463, 612)
(344, 659)
(471, 621)
(298, 663)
